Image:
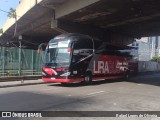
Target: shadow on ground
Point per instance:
(29, 101)
(94, 83)
(151, 79)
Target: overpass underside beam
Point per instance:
(72, 6)
(108, 36)
(67, 26)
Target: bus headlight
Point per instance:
(43, 73)
(66, 74)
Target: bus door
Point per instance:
(82, 50)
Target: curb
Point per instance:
(25, 84)
(18, 78)
(148, 73)
(21, 84)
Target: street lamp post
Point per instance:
(20, 50)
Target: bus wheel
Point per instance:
(64, 84)
(88, 78)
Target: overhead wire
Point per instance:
(58, 29)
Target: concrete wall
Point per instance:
(144, 51)
(22, 8)
(71, 6)
(118, 39)
(145, 66)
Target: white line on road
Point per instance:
(89, 94)
(42, 91)
(69, 95)
(95, 92)
(139, 84)
(50, 89)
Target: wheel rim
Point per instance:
(127, 76)
(87, 79)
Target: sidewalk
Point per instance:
(18, 81)
(21, 83)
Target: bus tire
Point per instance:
(64, 84)
(88, 78)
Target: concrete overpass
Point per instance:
(118, 21)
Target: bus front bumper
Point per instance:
(62, 80)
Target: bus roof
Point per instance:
(67, 35)
(114, 46)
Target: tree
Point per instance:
(156, 59)
(1, 31)
(12, 14)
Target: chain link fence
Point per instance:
(19, 62)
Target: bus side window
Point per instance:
(100, 47)
(84, 43)
(97, 44)
(82, 47)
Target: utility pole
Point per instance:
(20, 51)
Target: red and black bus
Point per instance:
(75, 57)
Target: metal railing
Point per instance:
(18, 62)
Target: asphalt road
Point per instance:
(139, 94)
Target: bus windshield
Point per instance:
(57, 54)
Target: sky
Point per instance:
(5, 5)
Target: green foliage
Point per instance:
(156, 59)
(12, 13)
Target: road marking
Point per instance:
(69, 95)
(95, 92)
(50, 89)
(115, 104)
(139, 84)
(88, 95)
(46, 91)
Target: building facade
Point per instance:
(148, 47)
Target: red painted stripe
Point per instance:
(77, 79)
(62, 80)
(109, 77)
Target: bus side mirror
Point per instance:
(38, 50)
(41, 47)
